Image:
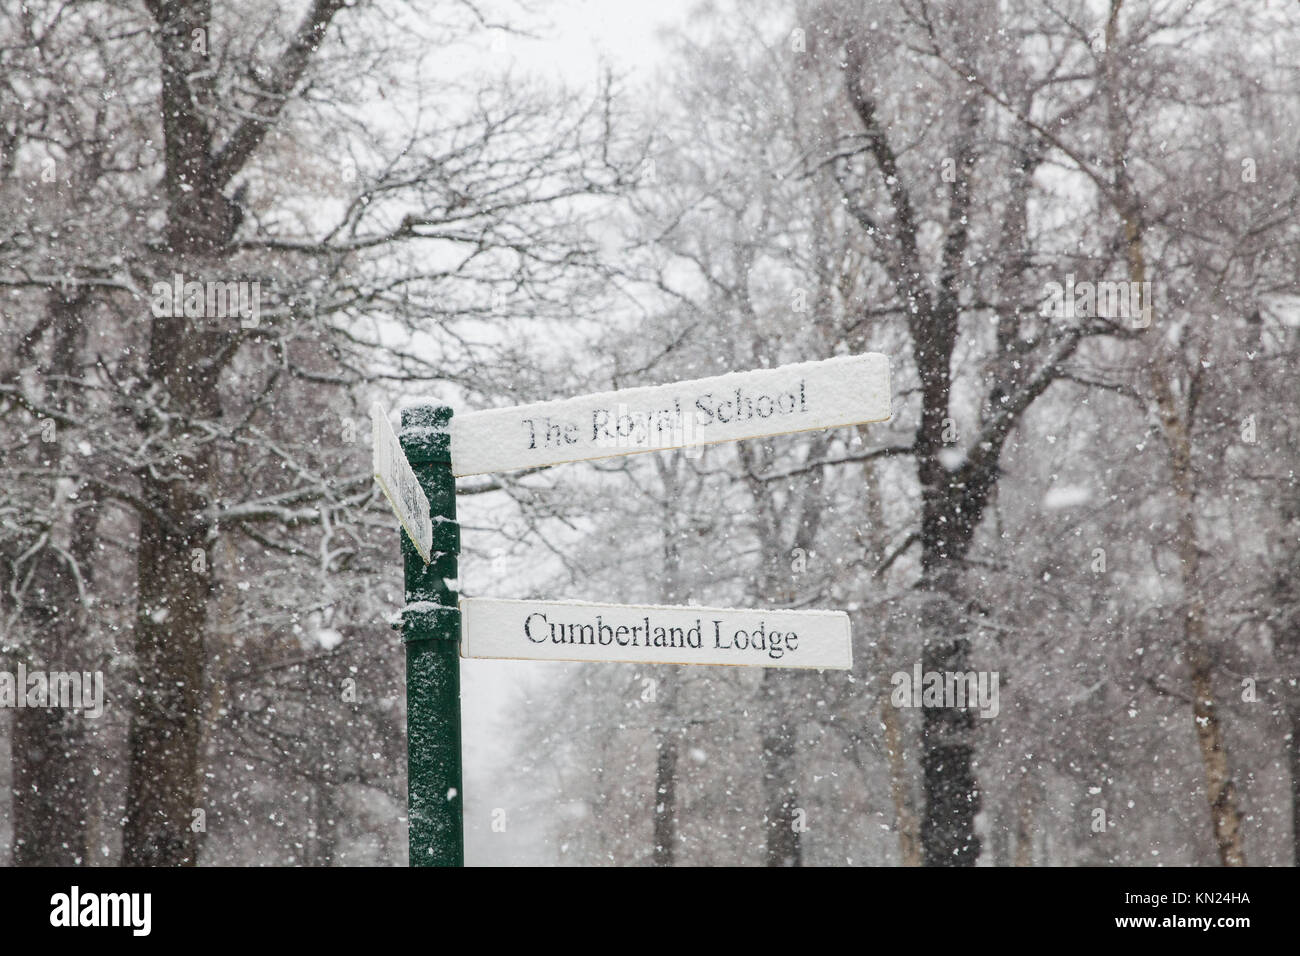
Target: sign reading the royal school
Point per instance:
(848, 390)
(577, 631)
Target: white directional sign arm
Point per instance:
(578, 631)
(848, 390)
(399, 484)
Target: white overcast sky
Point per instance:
(582, 35)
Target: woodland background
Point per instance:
(1106, 514)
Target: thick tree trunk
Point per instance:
(951, 794)
(164, 783)
(50, 792)
(951, 506)
(164, 780)
(51, 780)
(951, 501)
(1220, 788)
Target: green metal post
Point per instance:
(431, 630)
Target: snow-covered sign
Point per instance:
(397, 479)
(578, 631)
(847, 390)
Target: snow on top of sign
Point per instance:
(809, 612)
(423, 431)
(422, 401)
(417, 606)
(411, 401)
(840, 391)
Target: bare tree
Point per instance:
(194, 440)
(936, 285)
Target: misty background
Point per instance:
(1092, 495)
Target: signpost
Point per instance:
(417, 474)
(431, 633)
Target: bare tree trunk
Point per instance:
(1176, 424)
(1026, 810)
(780, 780)
(784, 820)
(1220, 787)
(905, 822)
(667, 729)
(164, 783)
(164, 779)
(50, 792)
(326, 823)
(163, 788)
(909, 843)
(952, 795)
(665, 812)
(1221, 791)
(952, 501)
(51, 784)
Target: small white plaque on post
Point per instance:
(400, 486)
